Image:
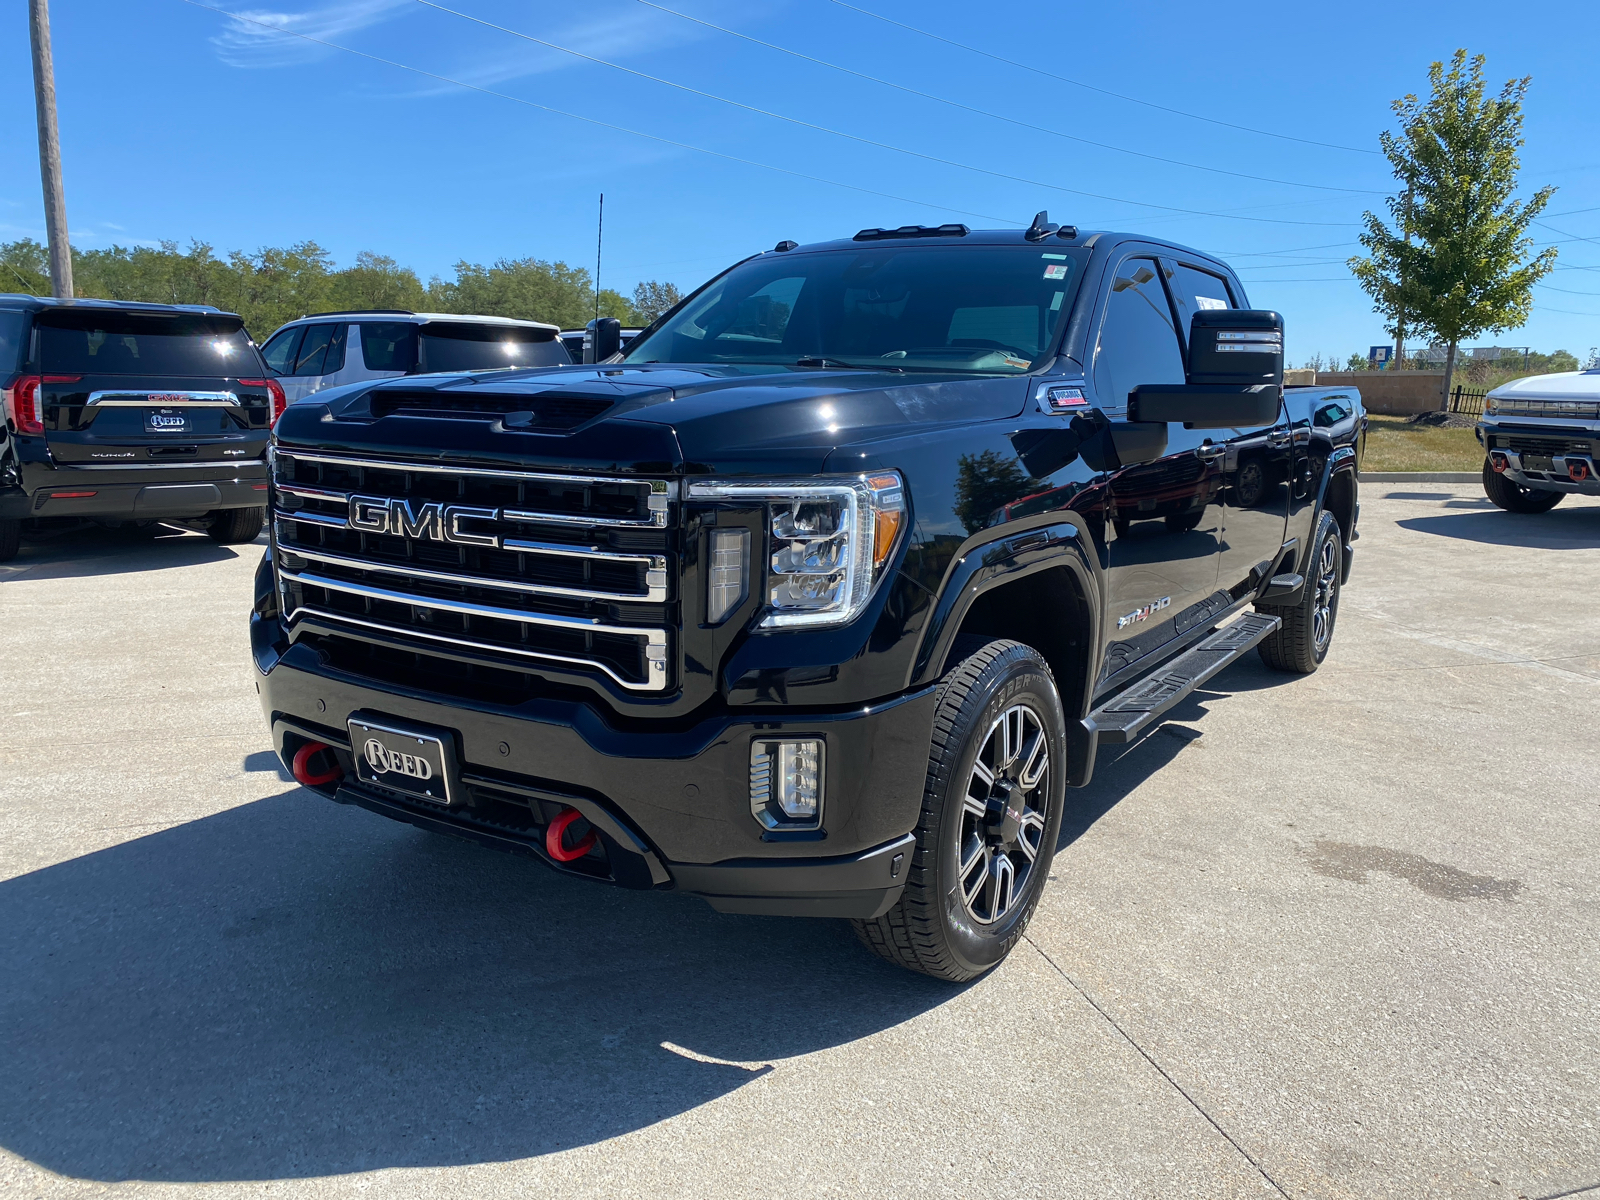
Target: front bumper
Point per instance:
(670, 805)
(1572, 451)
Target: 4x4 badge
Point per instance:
(1143, 614)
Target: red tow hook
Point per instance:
(557, 830)
(302, 765)
(1499, 462)
(1578, 471)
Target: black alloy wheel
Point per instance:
(1302, 641)
(991, 814)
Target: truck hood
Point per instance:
(738, 420)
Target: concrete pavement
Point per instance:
(1320, 937)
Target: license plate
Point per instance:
(404, 758)
(166, 420)
(1538, 462)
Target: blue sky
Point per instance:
(178, 122)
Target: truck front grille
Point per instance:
(515, 568)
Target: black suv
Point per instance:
(817, 599)
(131, 412)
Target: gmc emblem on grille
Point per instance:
(401, 518)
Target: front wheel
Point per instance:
(1513, 497)
(1302, 641)
(991, 813)
(234, 525)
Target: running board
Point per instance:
(1129, 715)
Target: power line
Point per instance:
(900, 87)
(1010, 62)
(933, 158)
(1290, 250)
(472, 87)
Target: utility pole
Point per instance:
(599, 241)
(55, 200)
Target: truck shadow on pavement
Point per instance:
(290, 988)
(80, 553)
(1559, 529)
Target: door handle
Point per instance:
(1278, 437)
(1209, 452)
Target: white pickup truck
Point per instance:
(1541, 437)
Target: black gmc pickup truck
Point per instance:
(817, 599)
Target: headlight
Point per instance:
(829, 539)
(1491, 407)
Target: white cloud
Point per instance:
(247, 43)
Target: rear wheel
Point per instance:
(991, 813)
(1302, 641)
(10, 539)
(1513, 497)
(234, 525)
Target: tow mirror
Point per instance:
(602, 338)
(1234, 372)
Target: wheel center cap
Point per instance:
(1004, 817)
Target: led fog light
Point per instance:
(786, 784)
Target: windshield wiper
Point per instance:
(822, 360)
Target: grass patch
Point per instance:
(1395, 444)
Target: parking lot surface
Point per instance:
(1330, 936)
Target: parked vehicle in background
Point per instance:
(131, 412)
(330, 349)
(816, 600)
(1541, 438)
(572, 339)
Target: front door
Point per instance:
(1255, 462)
(1165, 516)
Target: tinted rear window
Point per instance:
(388, 345)
(87, 342)
(11, 326)
(471, 346)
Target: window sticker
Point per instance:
(1205, 303)
(1055, 271)
(1055, 304)
(1061, 257)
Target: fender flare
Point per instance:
(982, 566)
(1341, 461)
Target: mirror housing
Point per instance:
(1235, 347)
(1205, 406)
(602, 338)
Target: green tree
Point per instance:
(1465, 269)
(651, 299)
(25, 267)
(377, 281)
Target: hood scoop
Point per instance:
(541, 412)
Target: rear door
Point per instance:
(137, 387)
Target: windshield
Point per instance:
(988, 309)
(92, 341)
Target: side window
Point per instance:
(314, 350)
(335, 359)
(1197, 290)
(280, 351)
(388, 345)
(1138, 341)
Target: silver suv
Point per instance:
(328, 349)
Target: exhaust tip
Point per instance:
(305, 770)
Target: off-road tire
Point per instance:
(1513, 497)
(928, 930)
(234, 525)
(10, 539)
(1301, 643)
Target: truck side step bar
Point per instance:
(1126, 717)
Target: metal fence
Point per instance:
(1467, 401)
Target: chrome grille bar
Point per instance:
(656, 576)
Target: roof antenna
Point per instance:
(1041, 227)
